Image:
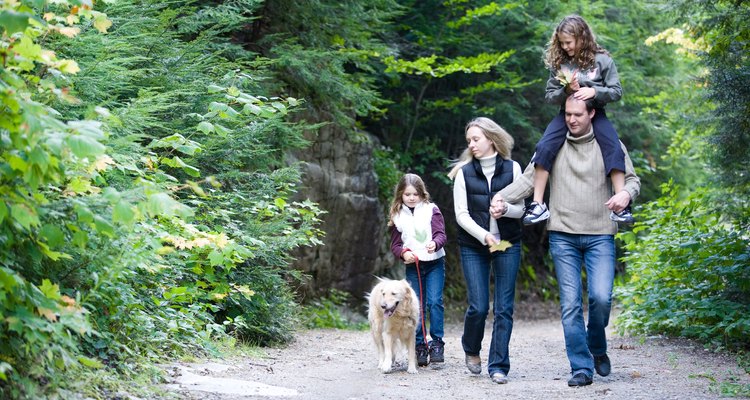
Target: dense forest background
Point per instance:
(180, 176)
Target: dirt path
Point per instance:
(335, 364)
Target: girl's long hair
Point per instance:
(501, 141)
(586, 46)
(398, 192)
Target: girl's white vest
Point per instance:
(416, 230)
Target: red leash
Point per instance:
(421, 298)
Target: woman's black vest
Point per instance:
(478, 197)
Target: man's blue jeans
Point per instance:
(477, 265)
(432, 274)
(597, 252)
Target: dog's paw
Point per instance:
(385, 368)
(412, 370)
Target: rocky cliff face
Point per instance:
(338, 174)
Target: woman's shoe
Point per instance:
(474, 364)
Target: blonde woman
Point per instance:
(482, 170)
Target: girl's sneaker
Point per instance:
(535, 213)
(625, 216)
(422, 355)
(436, 351)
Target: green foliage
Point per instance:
(147, 229)
(722, 30)
(687, 268)
(386, 168)
(329, 312)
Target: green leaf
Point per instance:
(3, 211)
(233, 91)
(50, 290)
(215, 89)
(90, 362)
(17, 163)
(80, 238)
(251, 109)
(206, 127)
(5, 367)
(13, 21)
(104, 227)
(176, 162)
(52, 235)
(84, 213)
(123, 213)
(221, 130)
(164, 205)
(174, 292)
(24, 215)
(84, 146)
(215, 258)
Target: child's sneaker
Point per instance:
(535, 213)
(436, 351)
(625, 216)
(422, 355)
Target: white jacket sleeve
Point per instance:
(461, 208)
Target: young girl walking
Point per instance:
(581, 68)
(417, 237)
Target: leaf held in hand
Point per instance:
(500, 246)
(565, 76)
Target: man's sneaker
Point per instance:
(499, 378)
(625, 216)
(436, 351)
(602, 365)
(580, 379)
(535, 213)
(474, 364)
(422, 355)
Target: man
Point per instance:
(580, 232)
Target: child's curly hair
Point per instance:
(586, 46)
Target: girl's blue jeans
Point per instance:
(432, 274)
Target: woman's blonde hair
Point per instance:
(586, 46)
(501, 141)
(398, 192)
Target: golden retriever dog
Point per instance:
(393, 314)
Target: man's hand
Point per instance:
(619, 201)
(497, 206)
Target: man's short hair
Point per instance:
(589, 103)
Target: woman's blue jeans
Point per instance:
(432, 274)
(597, 252)
(478, 263)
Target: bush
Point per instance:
(688, 271)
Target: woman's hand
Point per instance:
(490, 239)
(431, 246)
